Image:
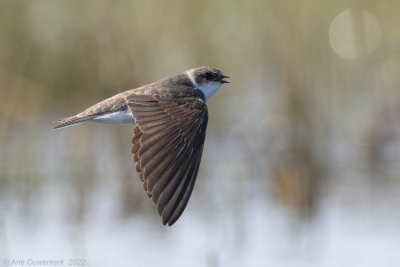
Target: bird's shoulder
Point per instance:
(177, 88)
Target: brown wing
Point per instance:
(167, 145)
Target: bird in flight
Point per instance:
(170, 119)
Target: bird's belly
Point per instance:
(124, 116)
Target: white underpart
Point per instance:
(208, 89)
(124, 116)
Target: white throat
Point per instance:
(208, 89)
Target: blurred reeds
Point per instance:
(303, 118)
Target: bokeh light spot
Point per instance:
(353, 35)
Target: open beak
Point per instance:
(223, 77)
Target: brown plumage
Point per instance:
(170, 119)
(167, 145)
(112, 104)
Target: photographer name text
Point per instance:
(44, 262)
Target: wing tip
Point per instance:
(167, 222)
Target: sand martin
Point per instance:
(170, 120)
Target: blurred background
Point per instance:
(302, 157)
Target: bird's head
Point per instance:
(207, 79)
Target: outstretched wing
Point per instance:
(167, 145)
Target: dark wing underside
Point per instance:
(167, 145)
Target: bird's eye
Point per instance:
(211, 76)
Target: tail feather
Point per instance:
(110, 105)
(72, 121)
